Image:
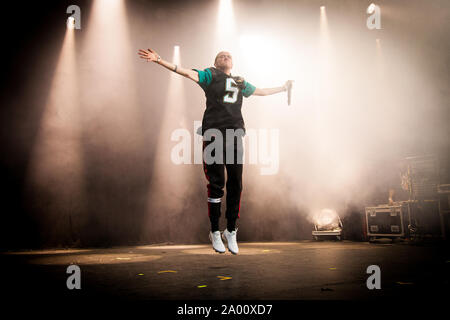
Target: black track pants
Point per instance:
(215, 174)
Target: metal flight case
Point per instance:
(386, 221)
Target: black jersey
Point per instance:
(223, 99)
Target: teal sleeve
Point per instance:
(204, 77)
(249, 89)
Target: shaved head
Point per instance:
(223, 61)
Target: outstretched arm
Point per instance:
(269, 91)
(151, 56)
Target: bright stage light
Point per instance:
(112, 84)
(327, 223)
(176, 55)
(253, 45)
(56, 166)
(52, 154)
(254, 51)
(225, 36)
(378, 44)
(327, 219)
(324, 34)
(71, 23)
(323, 58)
(380, 65)
(170, 180)
(323, 16)
(371, 8)
(225, 13)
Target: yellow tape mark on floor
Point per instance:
(202, 286)
(224, 278)
(167, 271)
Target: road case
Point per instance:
(386, 221)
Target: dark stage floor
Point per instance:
(302, 270)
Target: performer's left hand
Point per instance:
(288, 85)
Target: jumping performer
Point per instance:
(224, 94)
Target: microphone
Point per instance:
(289, 91)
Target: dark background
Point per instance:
(115, 212)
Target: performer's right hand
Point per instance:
(149, 55)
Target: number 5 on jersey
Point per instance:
(231, 91)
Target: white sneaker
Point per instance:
(216, 241)
(230, 238)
